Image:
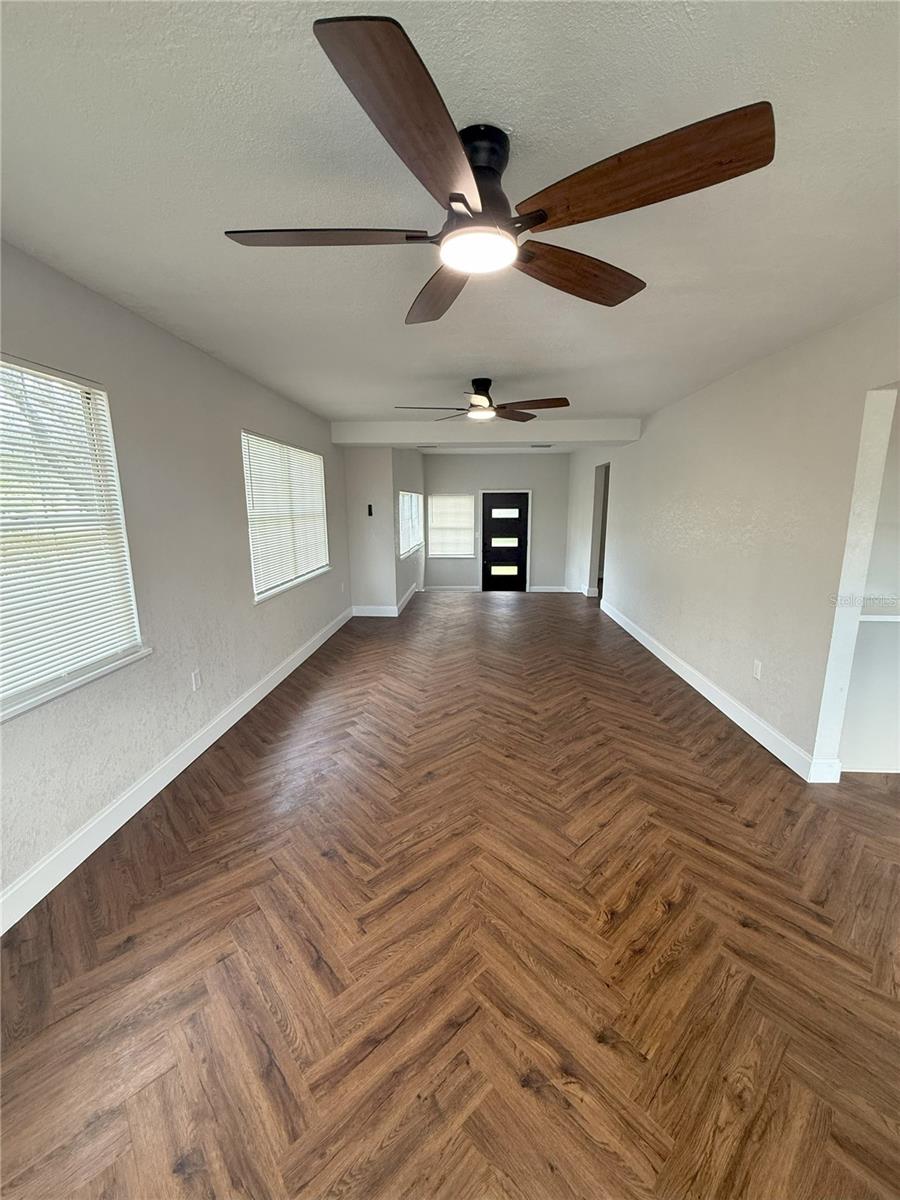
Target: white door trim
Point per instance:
(498, 491)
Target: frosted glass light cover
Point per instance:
(478, 250)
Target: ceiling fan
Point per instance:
(380, 66)
(481, 406)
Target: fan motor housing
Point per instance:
(486, 146)
(487, 149)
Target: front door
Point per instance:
(504, 541)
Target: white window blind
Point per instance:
(68, 606)
(411, 534)
(451, 526)
(285, 512)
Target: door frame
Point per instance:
(499, 491)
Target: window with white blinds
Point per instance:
(451, 526)
(285, 512)
(412, 535)
(67, 597)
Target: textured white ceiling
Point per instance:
(134, 133)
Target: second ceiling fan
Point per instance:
(481, 406)
(463, 171)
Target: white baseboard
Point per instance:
(793, 756)
(890, 769)
(384, 610)
(406, 599)
(823, 770)
(589, 591)
(23, 893)
(467, 587)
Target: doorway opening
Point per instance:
(859, 709)
(598, 530)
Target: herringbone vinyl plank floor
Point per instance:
(480, 904)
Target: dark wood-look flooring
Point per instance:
(480, 903)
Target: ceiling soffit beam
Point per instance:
(485, 433)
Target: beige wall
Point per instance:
(380, 578)
(546, 475)
(177, 417)
(727, 520)
(370, 481)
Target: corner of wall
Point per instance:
(811, 769)
(18, 897)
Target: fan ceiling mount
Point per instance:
(481, 406)
(463, 172)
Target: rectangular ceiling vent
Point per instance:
(542, 445)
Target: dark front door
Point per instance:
(504, 541)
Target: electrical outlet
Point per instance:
(757, 669)
(196, 681)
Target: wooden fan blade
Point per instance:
(550, 402)
(436, 296)
(510, 414)
(578, 274)
(380, 66)
(453, 416)
(326, 237)
(683, 161)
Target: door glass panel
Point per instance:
(504, 541)
(504, 512)
(495, 570)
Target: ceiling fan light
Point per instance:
(481, 414)
(478, 249)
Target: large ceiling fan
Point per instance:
(481, 406)
(380, 66)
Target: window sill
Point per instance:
(60, 686)
(411, 550)
(292, 583)
(449, 556)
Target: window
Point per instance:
(69, 612)
(451, 526)
(285, 512)
(503, 513)
(411, 536)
